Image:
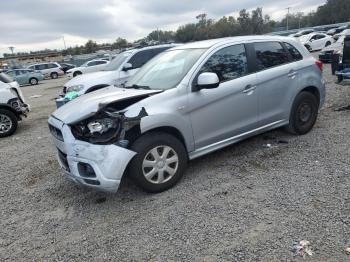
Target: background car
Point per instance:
(303, 32)
(12, 105)
(122, 67)
(316, 41)
(88, 67)
(65, 66)
(52, 69)
(26, 76)
(336, 48)
(336, 30)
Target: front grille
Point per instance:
(56, 133)
(63, 158)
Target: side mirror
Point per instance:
(207, 81)
(127, 67)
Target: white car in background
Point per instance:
(316, 41)
(122, 67)
(88, 67)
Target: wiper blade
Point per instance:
(137, 87)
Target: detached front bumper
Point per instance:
(98, 166)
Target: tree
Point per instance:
(120, 43)
(91, 46)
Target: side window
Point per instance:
(228, 63)
(101, 62)
(295, 54)
(141, 58)
(37, 67)
(52, 65)
(320, 36)
(10, 73)
(92, 63)
(43, 66)
(18, 72)
(270, 54)
(31, 67)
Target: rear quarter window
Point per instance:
(294, 53)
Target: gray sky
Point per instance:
(39, 24)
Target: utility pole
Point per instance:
(64, 43)
(288, 18)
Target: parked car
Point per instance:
(316, 41)
(122, 67)
(187, 102)
(327, 53)
(65, 66)
(12, 105)
(25, 76)
(51, 69)
(303, 32)
(337, 30)
(88, 67)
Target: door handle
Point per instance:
(292, 74)
(249, 88)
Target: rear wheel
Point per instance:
(328, 43)
(308, 48)
(54, 75)
(33, 81)
(160, 161)
(304, 113)
(8, 123)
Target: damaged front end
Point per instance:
(108, 127)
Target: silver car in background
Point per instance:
(187, 102)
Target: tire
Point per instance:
(77, 73)
(304, 113)
(148, 147)
(308, 48)
(33, 81)
(54, 75)
(8, 123)
(328, 43)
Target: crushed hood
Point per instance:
(89, 104)
(92, 77)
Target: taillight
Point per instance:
(319, 64)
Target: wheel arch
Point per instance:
(11, 109)
(313, 90)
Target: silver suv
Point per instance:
(187, 102)
(52, 69)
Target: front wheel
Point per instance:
(8, 123)
(160, 161)
(304, 113)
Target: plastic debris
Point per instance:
(347, 247)
(71, 95)
(302, 248)
(36, 96)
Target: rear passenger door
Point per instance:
(277, 77)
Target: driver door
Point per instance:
(230, 109)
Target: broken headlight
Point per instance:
(97, 130)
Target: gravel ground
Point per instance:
(247, 202)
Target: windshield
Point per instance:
(166, 70)
(5, 78)
(117, 61)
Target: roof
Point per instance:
(220, 41)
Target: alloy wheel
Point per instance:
(5, 124)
